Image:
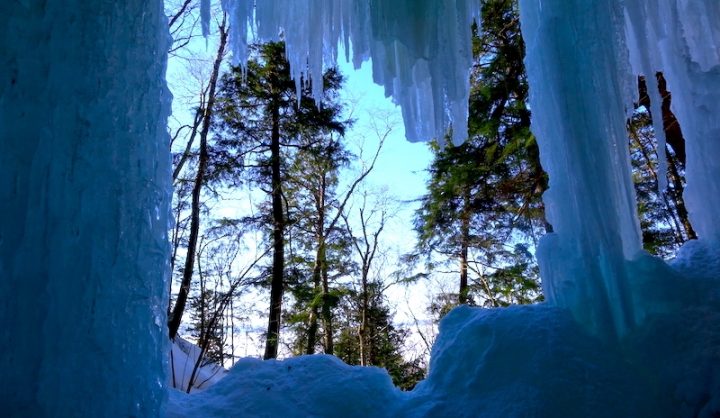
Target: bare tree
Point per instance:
(176, 314)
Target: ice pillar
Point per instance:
(577, 97)
(84, 182)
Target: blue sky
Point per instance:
(401, 166)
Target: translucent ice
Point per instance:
(84, 178)
(583, 56)
(578, 97)
(84, 168)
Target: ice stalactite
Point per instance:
(84, 197)
(420, 49)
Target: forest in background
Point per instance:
(307, 259)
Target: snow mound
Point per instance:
(522, 361)
(307, 386)
(184, 359)
(510, 362)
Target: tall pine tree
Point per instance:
(262, 120)
(483, 207)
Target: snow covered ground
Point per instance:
(510, 362)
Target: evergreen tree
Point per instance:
(320, 247)
(384, 339)
(663, 216)
(483, 206)
(262, 120)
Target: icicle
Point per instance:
(421, 50)
(639, 36)
(240, 12)
(205, 17)
(575, 52)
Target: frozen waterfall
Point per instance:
(583, 58)
(84, 197)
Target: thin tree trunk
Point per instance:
(327, 312)
(177, 313)
(318, 267)
(314, 313)
(188, 146)
(677, 196)
(366, 252)
(365, 348)
(676, 140)
(464, 244)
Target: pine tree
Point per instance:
(262, 121)
(320, 246)
(384, 339)
(483, 206)
(663, 216)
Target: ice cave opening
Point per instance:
(84, 197)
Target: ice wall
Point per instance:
(84, 189)
(583, 57)
(84, 177)
(420, 49)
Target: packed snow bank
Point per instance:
(511, 362)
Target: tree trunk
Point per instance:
(365, 346)
(464, 244)
(319, 266)
(177, 312)
(675, 139)
(278, 264)
(327, 311)
(314, 313)
(676, 195)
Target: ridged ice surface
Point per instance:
(681, 38)
(420, 49)
(622, 333)
(583, 57)
(84, 187)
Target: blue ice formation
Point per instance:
(84, 181)
(84, 197)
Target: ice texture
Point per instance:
(84, 196)
(575, 63)
(681, 38)
(622, 333)
(583, 56)
(420, 49)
